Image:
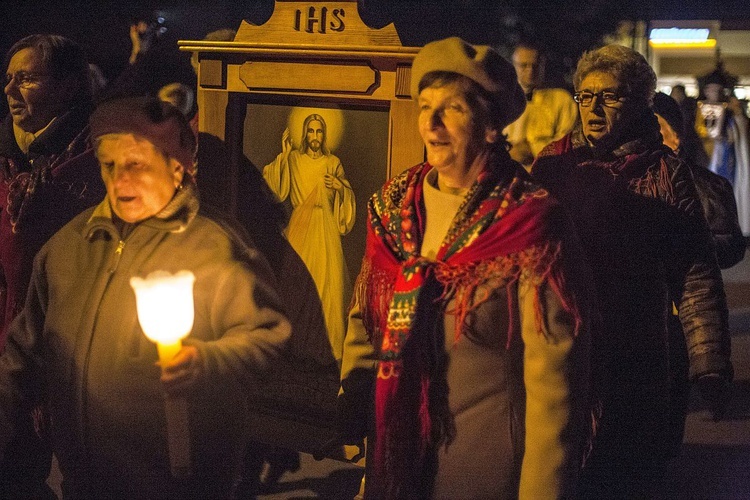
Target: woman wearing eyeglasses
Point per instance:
(48, 174)
(636, 211)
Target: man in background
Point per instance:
(690, 143)
(550, 112)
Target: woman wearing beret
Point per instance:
(470, 321)
(639, 219)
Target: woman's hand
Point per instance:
(181, 373)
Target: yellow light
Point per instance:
(165, 306)
(164, 303)
(667, 44)
(333, 117)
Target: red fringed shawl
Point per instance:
(505, 227)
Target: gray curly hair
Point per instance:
(629, 67)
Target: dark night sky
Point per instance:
(102, 26)
(568, 26)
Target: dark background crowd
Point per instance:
(566, 27)
(619, 135)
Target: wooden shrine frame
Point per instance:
(281, 59)
(313, 54)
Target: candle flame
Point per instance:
(164, 303)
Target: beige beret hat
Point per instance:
(481, 63)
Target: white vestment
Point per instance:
(320, 216)
(549, 115)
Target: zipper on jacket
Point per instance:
(118, 255)
(85, 369)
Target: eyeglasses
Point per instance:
(606, 97)
(24, 80)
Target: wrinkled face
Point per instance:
(34, 96)
(668, 134)
(604, 124)
(529, 68)
(314, 134)
(448, 129)
(140, 180)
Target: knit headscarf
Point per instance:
(159, 122)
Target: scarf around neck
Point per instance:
(30, 176)
(506, 226)
(633, 160)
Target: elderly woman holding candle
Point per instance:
(471, 316)
(79, 346)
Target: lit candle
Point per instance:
(165, 311)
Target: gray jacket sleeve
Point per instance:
(247, 317)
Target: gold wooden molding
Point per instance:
(319, 23)
(355, 78)
(401, 54)
(212, 73)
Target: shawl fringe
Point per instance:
(462, 285)
(655, 183)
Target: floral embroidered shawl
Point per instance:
(506, 226)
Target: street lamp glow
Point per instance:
(681, 38)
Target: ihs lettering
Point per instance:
(320, 20)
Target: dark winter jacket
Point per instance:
(79, 347)
(39, 193)
(638, 216)
(720, 209)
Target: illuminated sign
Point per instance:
(681, 37)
